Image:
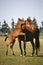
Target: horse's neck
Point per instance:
(18, 25)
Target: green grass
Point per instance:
(18, 60)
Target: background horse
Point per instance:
(14, 34)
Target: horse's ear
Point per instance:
(19, 19)
(29, 20)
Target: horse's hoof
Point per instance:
(32, 55)
(24, 54)
(6, 54)
(36, 54)
(21, 55)
(13, 54)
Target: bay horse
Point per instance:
(13, 35)
(31, 32)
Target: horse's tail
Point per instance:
(37, 40)
(6, 38)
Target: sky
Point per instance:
(21, 8)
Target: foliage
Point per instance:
(42, 23)
(5, 27)
(34, 21)
(41, 29)
(13, 24)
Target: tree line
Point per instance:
(6, 29)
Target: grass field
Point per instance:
(18, 60)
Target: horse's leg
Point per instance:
(37, 51)
(32, 47)
(37, 45)
(7, 45)
(12, 47)
(24, 48)
(20, 47)
(37, 42)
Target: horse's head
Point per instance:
(29, 26)
(19, 23)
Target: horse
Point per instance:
(31, 32)
(27, 32)
(13, 35)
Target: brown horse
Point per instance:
(13, 35)
(31, 32)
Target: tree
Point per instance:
(0, 26)
(29, 19)
(34, 21)
(13, 24)
(41, 29)
(42, 23)
(5, 27)
(0, 23)
(22, 18)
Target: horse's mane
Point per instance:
(30, 26)
(29, 20)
